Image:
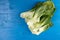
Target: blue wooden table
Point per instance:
(13, 27)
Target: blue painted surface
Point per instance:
(12, 27)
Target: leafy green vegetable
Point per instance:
(39, 17)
